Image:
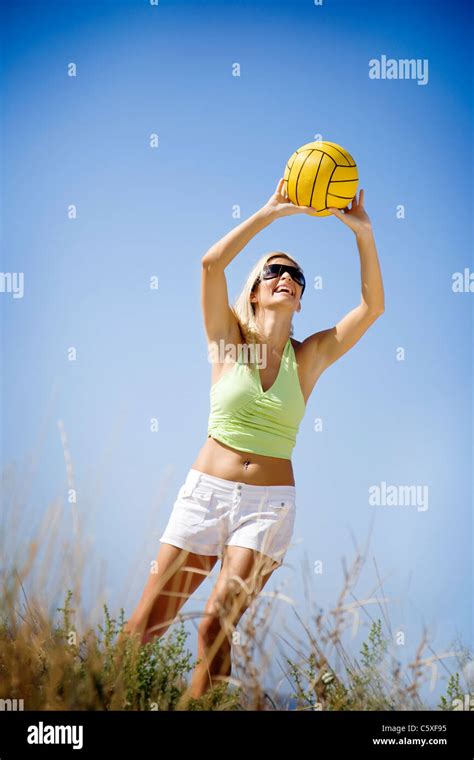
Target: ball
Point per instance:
(321, 174)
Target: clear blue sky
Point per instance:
(144, 212)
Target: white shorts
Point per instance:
(210, 513)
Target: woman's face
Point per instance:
(281, 292)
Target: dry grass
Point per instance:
(52, 659)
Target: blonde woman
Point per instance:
(238, 501)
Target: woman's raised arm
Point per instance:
(218, 317)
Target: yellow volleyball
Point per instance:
(321, 174)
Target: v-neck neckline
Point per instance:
(264, 393)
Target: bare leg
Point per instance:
(174, 577)
(226, 605)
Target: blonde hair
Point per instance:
(244, 310)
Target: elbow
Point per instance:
(374, 310)
(210, 259)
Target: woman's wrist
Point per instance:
(268, 213)
(364, 232)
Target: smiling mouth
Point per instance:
(283, 289)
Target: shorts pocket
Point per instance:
(282, 508)
(193, 504)
(279, 503)
(195, 491)
(185, 490)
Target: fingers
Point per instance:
(358, 201)
(292, 208)
(340, 214)
(280, 184)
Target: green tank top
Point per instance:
(247, 418)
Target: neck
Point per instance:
(274, 333)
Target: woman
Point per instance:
(238, 500)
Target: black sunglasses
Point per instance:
(270, 271)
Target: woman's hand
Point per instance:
(279, 205)
(356, 217)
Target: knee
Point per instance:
(209, 628)
(221, 621)
(218, 623)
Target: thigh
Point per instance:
(175, 576)
(244, 573)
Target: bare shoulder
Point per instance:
(303, 353)
(309, 369)
(308, 350)
(225, 352)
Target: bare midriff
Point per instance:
(221, 461)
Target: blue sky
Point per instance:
(145, 212)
